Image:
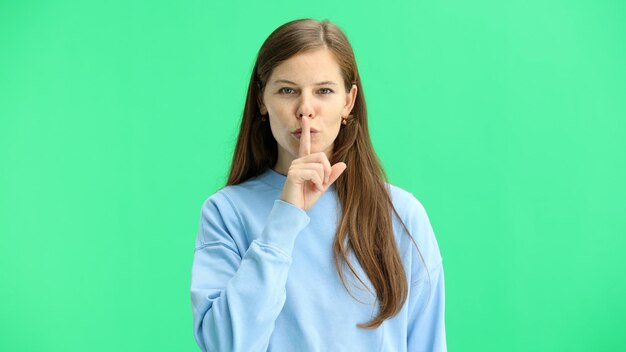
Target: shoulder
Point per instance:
(413, 214)
(406, 204)
(218, 218)
(234, 207)
(221, 209)
(234, 197)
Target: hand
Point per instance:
(310, 175)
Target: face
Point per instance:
(309, 84)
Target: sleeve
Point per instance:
(237, 298)
(426, 330)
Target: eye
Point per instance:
(286, 90)
(325, 91)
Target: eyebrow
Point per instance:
(324, 83)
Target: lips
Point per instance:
(299, 130)
(298, 133)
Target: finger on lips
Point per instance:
(305, 137)
(305, 151)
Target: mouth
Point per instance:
(299, 130)
(298, 133)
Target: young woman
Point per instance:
(307, 247)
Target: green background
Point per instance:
(507, 119)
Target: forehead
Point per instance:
(308, 67)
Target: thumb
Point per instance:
(336, 171)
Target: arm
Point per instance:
(426, 330)
(237, 298)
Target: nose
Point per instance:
(305, 108)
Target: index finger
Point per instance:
(305, 137)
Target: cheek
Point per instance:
(274, 126)
(279, 129)
(277, 104)
(334, 120)
(335, 109)
(336, 128)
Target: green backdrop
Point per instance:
(507, 119)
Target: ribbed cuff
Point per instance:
(283, 226)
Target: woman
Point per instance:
(308, 248)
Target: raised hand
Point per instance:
(310, 175)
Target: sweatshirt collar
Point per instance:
(273, 178)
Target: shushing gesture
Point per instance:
(310, 175)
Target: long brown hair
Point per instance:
(366, 221)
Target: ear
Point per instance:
(259, 100)
(350, 99)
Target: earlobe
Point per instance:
(350, 99)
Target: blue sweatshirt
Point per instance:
(264, 279)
